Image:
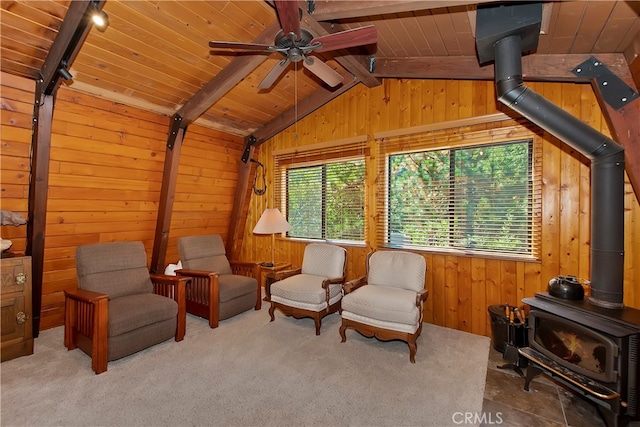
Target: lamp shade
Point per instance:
(271, 222)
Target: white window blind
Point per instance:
(321, 190)
(475, 193)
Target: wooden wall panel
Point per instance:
(207, 177)
(105, 178)
(462, 287)
(16, 110)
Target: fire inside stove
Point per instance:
(586, 351)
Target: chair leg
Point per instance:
(343, 328)
(318, 322)
(413, 348)
(272, 309)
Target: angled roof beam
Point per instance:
(214, 90)
(226, 79)
(333, 10)
(534, 67)
(70, 38)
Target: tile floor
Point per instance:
(546, 404)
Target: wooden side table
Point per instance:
(265, 272)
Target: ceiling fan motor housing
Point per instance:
(295, 53)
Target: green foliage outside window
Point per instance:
(327, 201)
(477, 198)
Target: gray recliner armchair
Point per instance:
(119, 308)
(219, 288)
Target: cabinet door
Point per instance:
(15, 308)
(13, 319)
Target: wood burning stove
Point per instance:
(590, 345)
(592, 350)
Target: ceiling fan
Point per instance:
(296, 45)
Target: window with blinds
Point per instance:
(321, 191)
(477, 198)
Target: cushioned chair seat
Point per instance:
(125, 316)
(383, 303)
(304, 288)
(234, 286)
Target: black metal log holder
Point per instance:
(516, 338)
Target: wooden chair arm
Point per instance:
(170, 286)
(205, 282)
(335, 281)
(86, 325)
(283, 274)
(421, 296)
(352, 285)
(84, 296)
(246, 268)
(196, 273)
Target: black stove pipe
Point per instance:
(607, 170)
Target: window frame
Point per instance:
(314, 155)
(446, 140)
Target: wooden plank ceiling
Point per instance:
(155, 55)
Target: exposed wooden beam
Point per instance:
(38, 189)
(238, 212)
(167, 194)
(306, 106)
(70, 38)
(333, 10)
(534, 67)
(73, 31)
(215, 89)
(624, 125)
(226, 79)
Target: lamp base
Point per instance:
(266, 264)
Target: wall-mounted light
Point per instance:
(99, 18)
(63, 72)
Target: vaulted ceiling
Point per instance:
(155, 54)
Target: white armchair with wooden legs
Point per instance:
(314, 290)
(390, 305)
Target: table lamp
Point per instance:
(271, 222)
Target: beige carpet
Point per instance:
(250, 372)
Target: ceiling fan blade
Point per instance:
(243, 46)
(289, 17)
(273, 75)
(348, 38)
(323, 71)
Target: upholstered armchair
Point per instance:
(219, 288)
(314, 290)
(387, 302)
(119, 308)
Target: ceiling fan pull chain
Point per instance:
(295, 101)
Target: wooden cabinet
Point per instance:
(17, 332)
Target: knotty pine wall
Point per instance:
(462, 287)
(105, 178)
